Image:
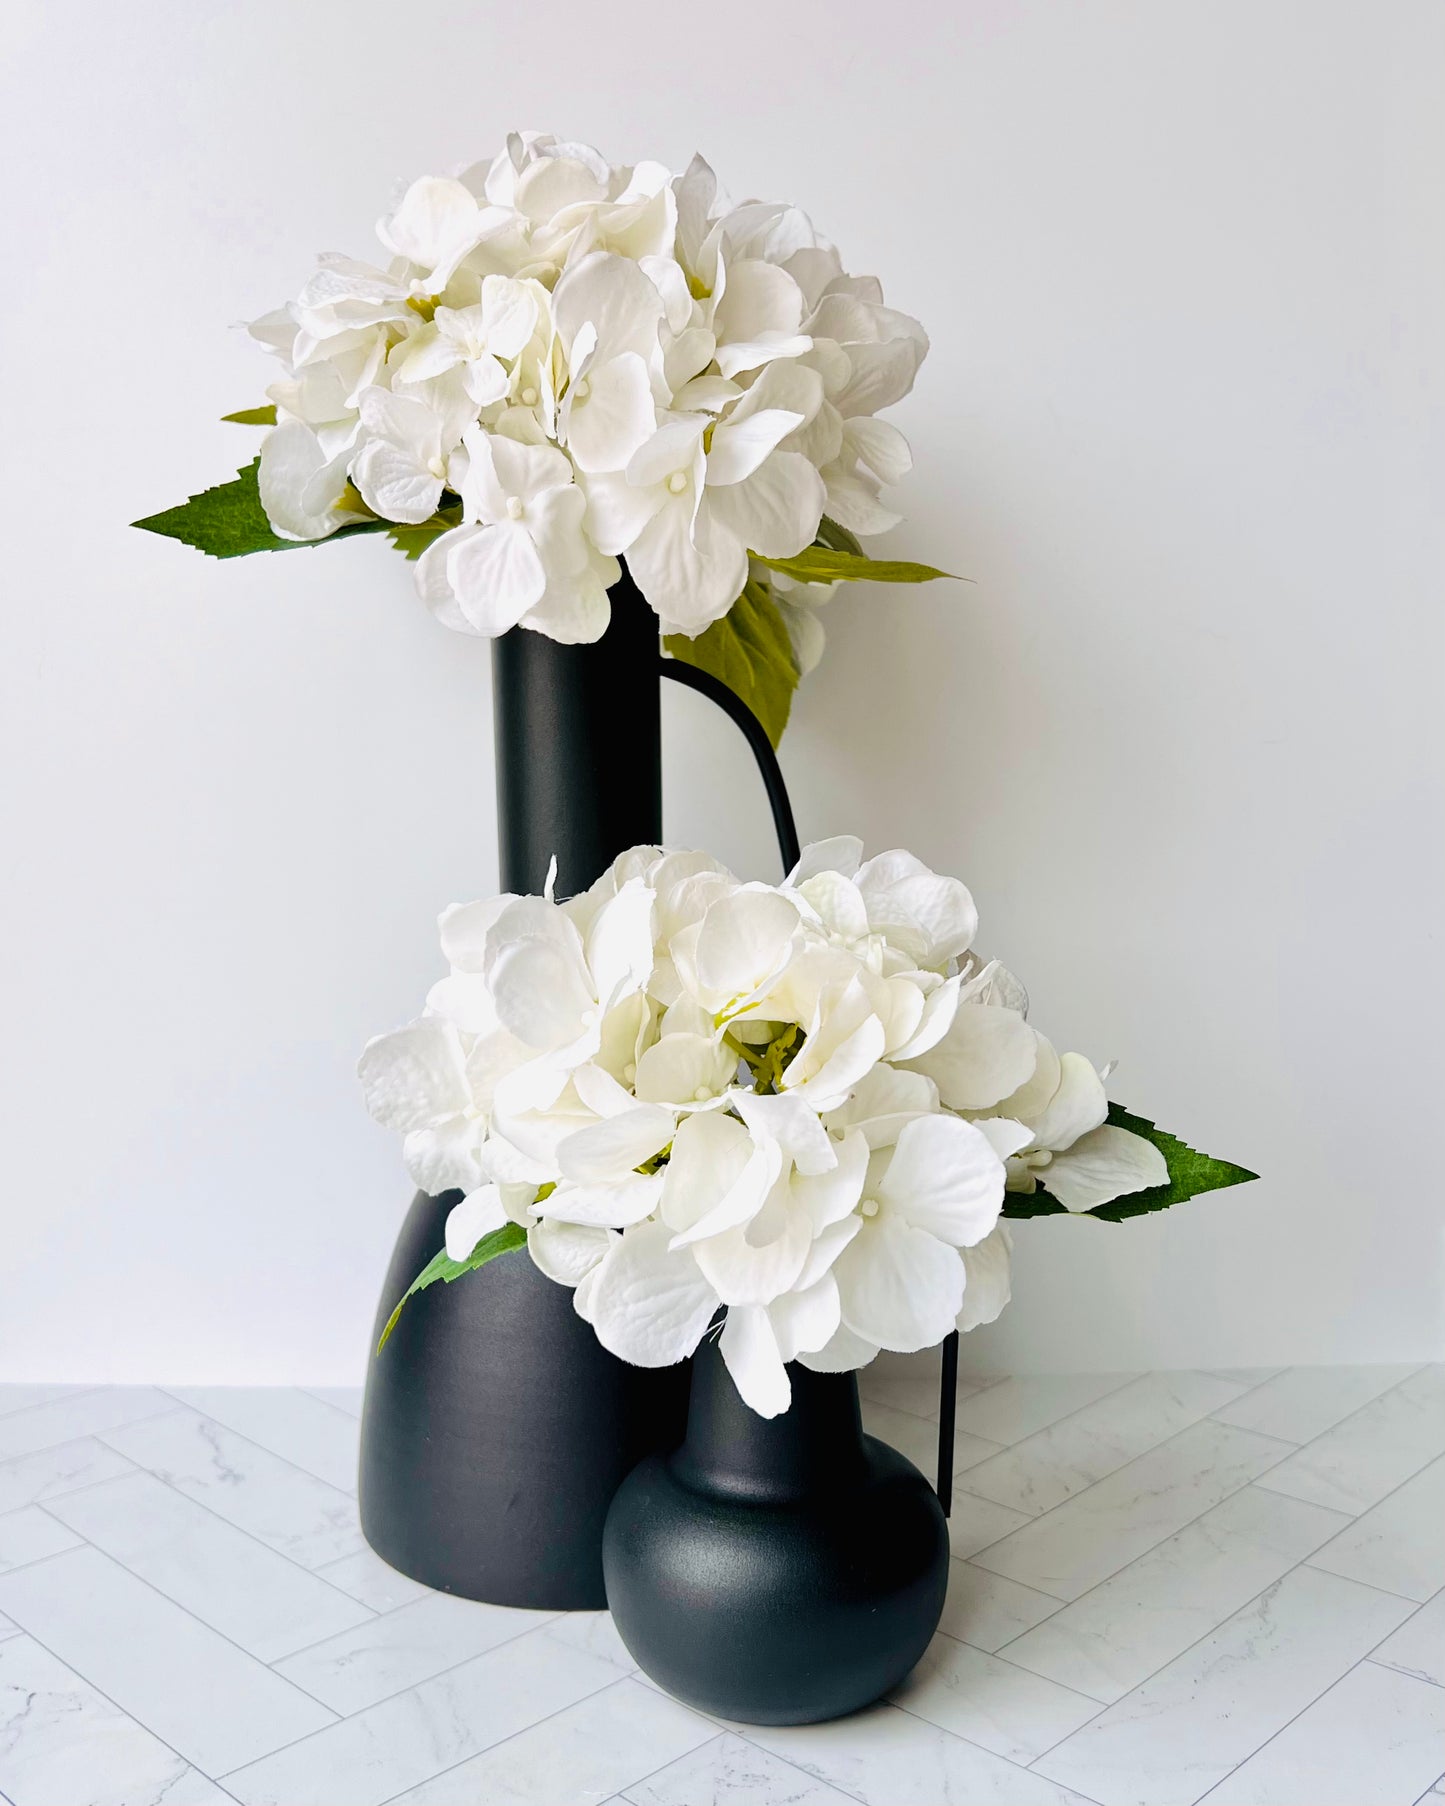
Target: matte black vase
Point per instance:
(496, 1428)
(776, 1571)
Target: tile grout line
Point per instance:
(350, 1717)
(1273, 1586)
(129, 1717)
(1410, 1674)
(83, 1435)
(81, 1391)
(141, 1580)
(240, 1529)
(205, 1416)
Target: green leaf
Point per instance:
(749, 650)
(837, 539)
(411, 542)
(442, 1266)
(1190, 1173)
(229, 521)
(822, 564)
(264, 416)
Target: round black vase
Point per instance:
(495, 1427)
(776, 1571)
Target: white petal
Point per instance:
(750, 1350)
(842, 853)
(1079, 1104)
(830, 1197)
(776, 510)
(945, 1177)
(567, 1252)
(478, 1214)
(540, 993)
(464, 927)
(609, 1150)
(1107, 1163)
(619, 942)
(688, 583)
(393, 484)
(684, 1069)
(415, 1077)
(647, 1304)
(986, 1054)
(710, 1155)
(882, 1102)
(742, 1200)
(1005, 1136)
(744, 941)
(617, 510)
(759, 299)
(496, 575)
(881, 447)
(445, 1158)
(806, 1320)
(791, 1122)
(901, 1287)
(986, 1279)
(842, 1353)
(509, 311)
(829, 1084)
(610, 1206)
(297, 506)
(739, 446)
(617, 417)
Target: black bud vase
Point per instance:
(776, 1571)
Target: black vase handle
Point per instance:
(772, 775)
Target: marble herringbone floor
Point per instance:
(1166, 1588)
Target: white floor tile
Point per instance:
(1052, 1465)
(345, 1398)
(1354, 1465)
(989, 1610)
(415, 1736)
(990, 1702)
(594, 1634)
(1303, 1402)
(30, 1535)
(582, 1753)
(975, 1523)
(1151, 1611)
(1400, 1543)
(240, 1587)
(1114, 1522)
(730, 1771)
(64, 1744)
(1172, 1739)
(294, 1512)
(1418, 1646)
(209, 1700)
(363, 1666)
(1024, 1405)
(886, 1757)
(31, 1479)
(371, 1580)
(81, 1414)
(8, 1627)
(22, 1397)
(301, 1429)
(1375, 1739)
(916, 1438)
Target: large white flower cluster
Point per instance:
(600, 362)
(803, 1102)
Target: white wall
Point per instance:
(1182, 425)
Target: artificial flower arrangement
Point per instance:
(564, 363)
(811, 1104)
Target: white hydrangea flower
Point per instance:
(709, 374)
(800, 1105)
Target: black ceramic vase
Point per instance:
(776, 1571)
(496, 1428)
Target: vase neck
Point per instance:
(579, 747)
(815, 1443)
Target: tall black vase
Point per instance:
(776, 1571)
(496, 1428)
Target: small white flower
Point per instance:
(475, 339)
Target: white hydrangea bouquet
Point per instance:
(810, 1105)
(565, 363)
